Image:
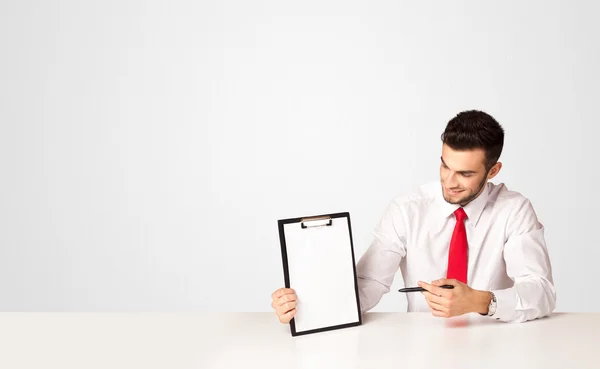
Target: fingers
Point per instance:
(439, 300)
(280, 292)
(443, 281)
(437, 309)
(440, 314)
(288, 297)
(285, 307)
(284, 303)
(285, 318)
(440, 282)
(435, 289)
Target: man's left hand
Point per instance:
(460, 300)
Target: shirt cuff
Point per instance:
(506, 304)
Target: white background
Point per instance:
(148, 148)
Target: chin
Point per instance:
(453, 200)
(450, 201)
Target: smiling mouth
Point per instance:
(454, 192)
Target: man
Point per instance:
(481, 238)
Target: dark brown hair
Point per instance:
(474, 129)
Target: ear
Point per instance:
(494, 170)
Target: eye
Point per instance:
(466, 174)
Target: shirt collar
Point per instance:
(472, 209)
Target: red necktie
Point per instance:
(458, 254)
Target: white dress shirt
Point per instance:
(507, 250)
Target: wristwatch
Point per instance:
(492, 306)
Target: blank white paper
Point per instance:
(321, 271)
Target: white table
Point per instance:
(258, 340)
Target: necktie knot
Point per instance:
(460, 214)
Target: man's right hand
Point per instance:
(284, 303)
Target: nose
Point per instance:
(451, 181)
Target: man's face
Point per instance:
(462, 174)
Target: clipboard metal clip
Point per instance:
(323, 221)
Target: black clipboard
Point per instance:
(318, 257)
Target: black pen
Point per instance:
(421, 289)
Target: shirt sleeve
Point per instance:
(378, 265)
(528, 265)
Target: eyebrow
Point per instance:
(460, 171)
